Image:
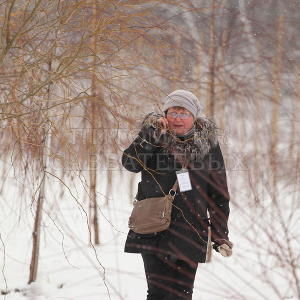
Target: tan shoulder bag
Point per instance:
(152, 214)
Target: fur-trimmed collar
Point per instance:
(192, 147)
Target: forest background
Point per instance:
(76, 78)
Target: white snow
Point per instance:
(70, 269)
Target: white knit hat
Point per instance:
(184, 99)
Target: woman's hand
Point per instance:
(163, 124)
(223, 246)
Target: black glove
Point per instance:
(223, 246)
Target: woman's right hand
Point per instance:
(163, 124)
(154, 126)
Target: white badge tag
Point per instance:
(184, 181)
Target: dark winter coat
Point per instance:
(157, 157)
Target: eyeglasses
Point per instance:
(182, 116)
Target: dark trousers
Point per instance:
(168, 278)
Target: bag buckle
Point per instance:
(172, 192)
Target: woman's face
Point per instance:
(182, 123)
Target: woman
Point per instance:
(179, 139)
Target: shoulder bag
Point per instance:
(152, 214)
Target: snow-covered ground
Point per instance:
(70, 269)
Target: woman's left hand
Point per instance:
(223, 246)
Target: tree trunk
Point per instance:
(37, 233)
(212, 60)
(43, 161)
(93, 142)
(276, 106)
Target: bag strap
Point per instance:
(174, 188)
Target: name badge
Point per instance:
(184, 181)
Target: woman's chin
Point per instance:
(180, 131)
